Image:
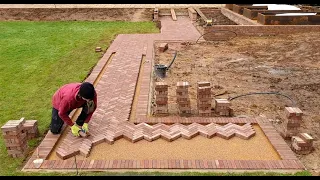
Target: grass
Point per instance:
(38, 57)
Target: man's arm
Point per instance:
(95, 107)
(63, 112)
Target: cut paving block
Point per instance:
(300, 146)
(98, 49)
(306, 137)
(163, 47)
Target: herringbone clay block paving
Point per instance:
(116, 89)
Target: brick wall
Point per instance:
(192, 14)
(237, 18)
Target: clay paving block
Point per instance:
(203, 84)
(183, 84)
(306, 137)
(163, 47)
(293, 113)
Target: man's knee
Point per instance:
(55, 129)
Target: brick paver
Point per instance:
(116, 89)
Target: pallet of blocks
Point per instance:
(292, 122)
(161, 90)
(15, 138)
(222, 107)
(204, 99)
(302, 144)
(183, 100)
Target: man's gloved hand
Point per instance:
(85, 127)
(75, 130)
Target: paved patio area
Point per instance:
(123, 76)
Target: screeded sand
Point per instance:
(256, 148)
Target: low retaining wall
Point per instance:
(72, 14)
(237, 18)
(247, 30)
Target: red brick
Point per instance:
(221, 164)
(130, 164)
(106, 164)
(114, 164)
(103, 162)
(134, 164)
(45, 164)
(95, 164)
(166, 164)
(146, 164)
(122, 163)
(173, 164)
(63, 164)
(192, 164)
(210, 164)
(250, 164)
(57, 164)
(205, 164)
(237, 163)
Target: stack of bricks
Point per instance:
(292, 122)
(15, 138)
(302, 144)
(31, 126)
(161, 89)
(222, 107)
(183, 100)
(204, 99)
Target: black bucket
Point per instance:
(160, 70)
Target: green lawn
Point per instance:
(36, 58)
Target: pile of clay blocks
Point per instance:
(161, 90)
(16, 134)
(292, 122)
(222, 107)
(183, 100)
(204, 99)
(302, 144)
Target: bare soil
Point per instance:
(288, 64)
(76, 14)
